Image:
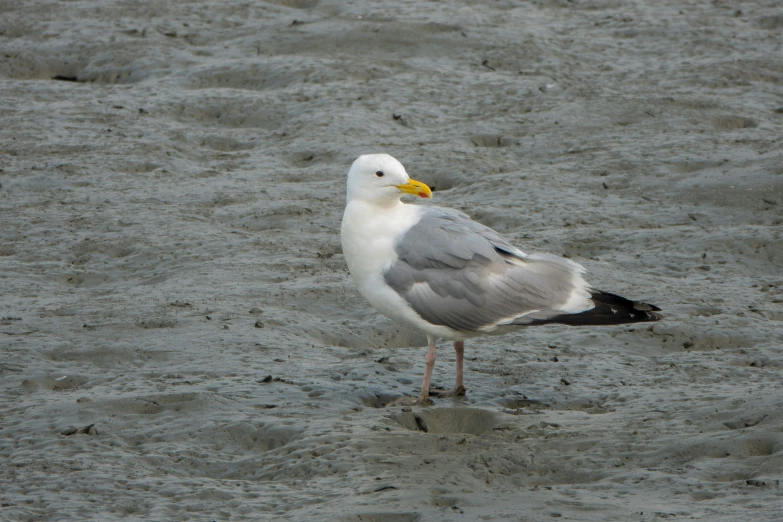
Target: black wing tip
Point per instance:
(625, 310)
(599, 296)
(604, 315)
(610, 309)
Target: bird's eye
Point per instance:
(379, 174)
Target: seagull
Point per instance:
(437, 270)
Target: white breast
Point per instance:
(368, 236)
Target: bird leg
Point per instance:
(459, 348)
(459, 388)
(424, 396)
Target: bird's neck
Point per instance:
(369, 233)
(377, 205)
(384, 216)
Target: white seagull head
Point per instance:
(382, 180)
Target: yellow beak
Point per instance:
(417, 188)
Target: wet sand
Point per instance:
(179, 336)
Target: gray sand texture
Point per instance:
(179, 335)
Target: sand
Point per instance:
(180, 339)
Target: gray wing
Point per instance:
(458, 273)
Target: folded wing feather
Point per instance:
(458, 273)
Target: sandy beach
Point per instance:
(179, 335)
